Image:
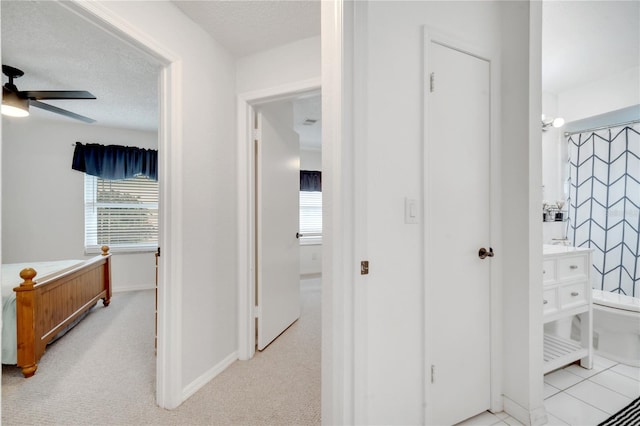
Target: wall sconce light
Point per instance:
(13, 105)
(551, 122)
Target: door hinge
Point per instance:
(364, 267)
(433, 373)
(256, 311)
(432, 79)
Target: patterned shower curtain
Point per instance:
(604, 204)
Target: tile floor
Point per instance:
(578, 397)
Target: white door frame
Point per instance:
(169, 353)
(435, 35)
(247, 207)
(342, 162)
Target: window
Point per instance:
(122, 214)
(311, 217)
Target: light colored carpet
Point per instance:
(103, 372)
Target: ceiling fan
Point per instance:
(16, 102)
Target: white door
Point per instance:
(278, 250)
(458, 203)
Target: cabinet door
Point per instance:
(572, 295)
(573, 267)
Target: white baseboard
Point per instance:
(535, 417)
(198, 383)
(123, 289)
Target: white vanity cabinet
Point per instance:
(567, 292)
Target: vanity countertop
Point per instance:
(560, 249)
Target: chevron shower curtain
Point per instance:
(604, 204)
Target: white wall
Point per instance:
(310, 255)
(551, 147)
(553, 170)
(43, 198)
(311, 159)
(298, 61)
(289, 63)
(391, 103)
(206, 171)
(521, 197)
(611, 93)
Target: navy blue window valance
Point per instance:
(310, 180)
(115, 162)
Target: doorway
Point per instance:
(168, 382)
(280, 128)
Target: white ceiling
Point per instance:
(246, 27)
(582, 41)
(59, 50)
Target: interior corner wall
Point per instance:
(551, 144)
(521, 198)
(390, 103)
(554, 158)
(43, 198)
(207, 122)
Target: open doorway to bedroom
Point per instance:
(287, 162)
(286, 208)
(44, 209)
(269, 169)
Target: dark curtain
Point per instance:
(310, 180)
(115, 162)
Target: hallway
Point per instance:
(103, 373)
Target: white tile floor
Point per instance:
(578, 397)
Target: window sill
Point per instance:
(310, 243)
(120, 250)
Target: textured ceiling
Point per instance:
(584, 41)
(246, 27)
(59, 50)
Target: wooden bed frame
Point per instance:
(46, 307)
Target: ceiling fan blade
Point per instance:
(55, 94)
(61, 111)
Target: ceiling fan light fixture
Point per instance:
(13, 105)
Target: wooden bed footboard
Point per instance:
(46, 307)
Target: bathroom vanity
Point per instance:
(566, 293)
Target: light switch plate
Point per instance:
(411, 212)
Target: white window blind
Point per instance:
(122, 214)
(311, 217)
